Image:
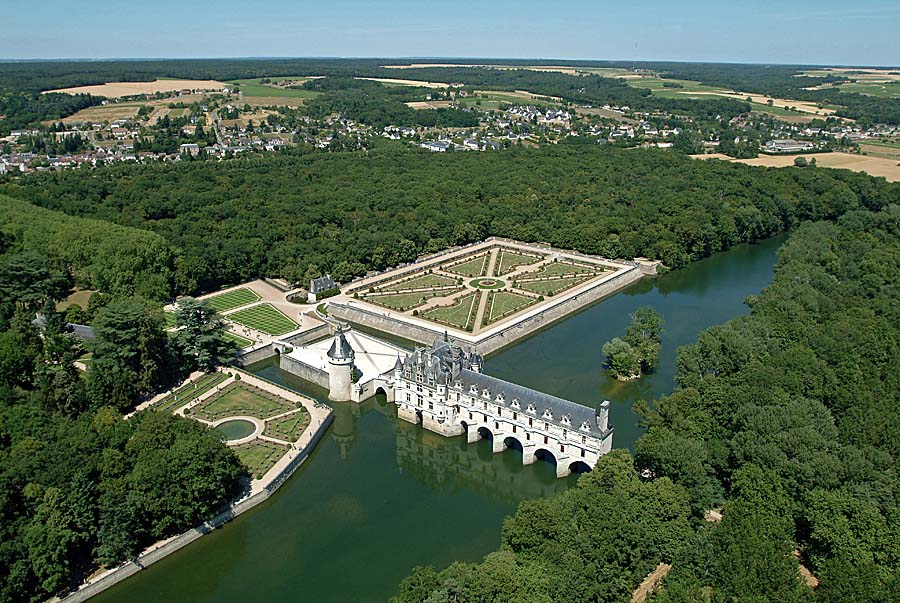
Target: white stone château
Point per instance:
(442, 387)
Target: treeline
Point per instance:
(788, 419)
(20, 109)
(97, 254)
(377, 105)
(80, 487)
(301, 214)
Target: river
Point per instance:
(380, 496)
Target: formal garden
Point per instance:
(467, 292)
(240, 399)
(288, 427)
(260, 455)
(189, 392)
(264, 318)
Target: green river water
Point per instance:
(380, 496)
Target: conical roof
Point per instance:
(340, 349)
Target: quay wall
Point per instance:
(495, 341)
(303, 370)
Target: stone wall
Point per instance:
(304, 371)
(500, 339)
(314, 334)
(255, 354)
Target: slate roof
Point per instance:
(450, 365)
(340, 349)
(323, 283)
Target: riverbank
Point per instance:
(259, 490)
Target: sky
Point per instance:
(824, 32)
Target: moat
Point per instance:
(360, 513)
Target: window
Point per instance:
(431, 406)
(562, 448)
(515, 416)
(527, 436)
(546, 426)
(499, 412)
(496, 425)
(582, 452)
(514, 429)
(565, 433)
(583, 440)
(470, 416)
(545, 439)
(530, 422)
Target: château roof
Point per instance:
(340, 349)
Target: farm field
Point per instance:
(460, 314)
(476, 266)
(259, 455)
(875, 166)
(265, 318)
(253, 87)
(408, 301)
(239, 399)
(400, 82)
(120, 89)
(504, 303)
(232, 299)
(552, 286)
(288, 427)
(189, 392)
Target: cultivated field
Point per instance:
(443, 104)
(875, 166)
(234, 298)
(253, 87)
(264, 318)
(120, 89)
(397, 82)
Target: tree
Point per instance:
(29, 279)
(622, 359)
(200, 334)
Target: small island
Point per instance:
(631, 356)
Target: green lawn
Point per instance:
(510, 260)
(189, 392)
(553, 286)
(408, 301)
(477, 266)
(241, 399)
(289, 427)
(240, 342)
(259, 455)
(265, 318)
(460, 314)
(504, 303)
(252, 87)
(232, 299)
(881, 90)
(559, 269)
(422, 281)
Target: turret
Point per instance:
(340, 367)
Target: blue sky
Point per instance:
(813, 32)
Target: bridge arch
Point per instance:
(514, 443)
(419, 419)
(542, 454)
(485, 433)
(579, 467)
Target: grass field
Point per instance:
(241, 399)
(289, 427)
(553, 286)
(510, 260)
(408, 301)
(253, 87)
(423, 281)
(504, 303)
(265, 318)
(189, 392)
(477, 266)
(232, 299)
(119, 89)
(259, 455)
(460, 314)
(558, 269)
(240, 342)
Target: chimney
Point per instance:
(603, 416)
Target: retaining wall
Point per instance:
(255, 354)
(304, 371)
(496, 341)
(314, 334)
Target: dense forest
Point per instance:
(787, 419)
(299, 214)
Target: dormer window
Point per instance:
(500, 399)
(486, 393)
(566, 420)
(531, 409)
(547, 414)
(515, 404)
(585, 426)
(473, 389)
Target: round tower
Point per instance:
(340, 367)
